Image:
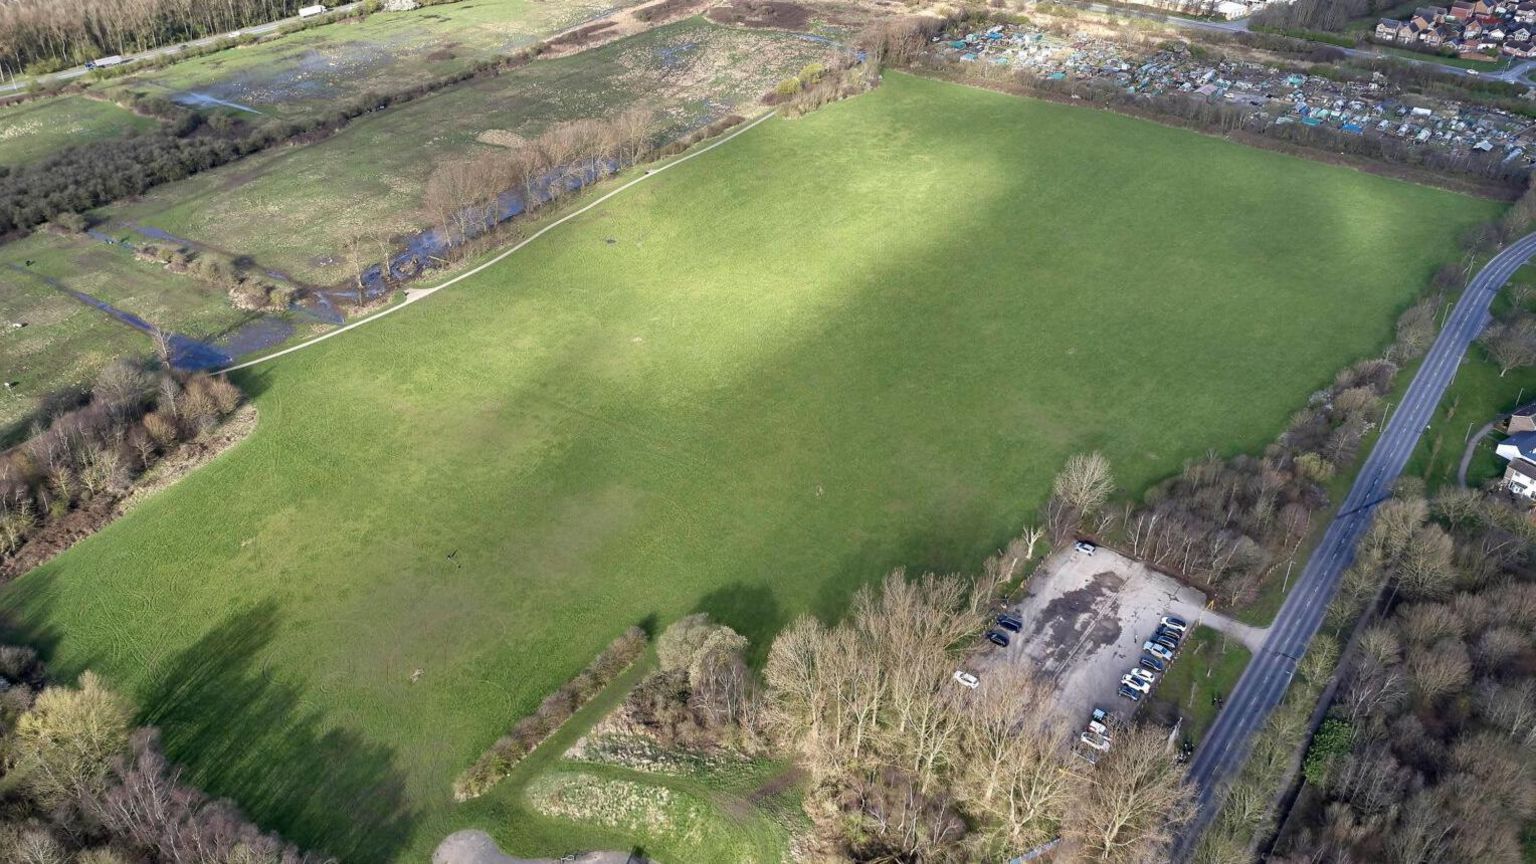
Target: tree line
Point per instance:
(79, 784)
(92, 453)
(901, 763)
(1429, 751)
(45, 35)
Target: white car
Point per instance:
(1157, 651)
(1098, 728)
(1085, 547)
(966, 679)
(1142, 675)
(1096, 741)
(1178, 625)
(1136, 684)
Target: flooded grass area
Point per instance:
(305, 73)
(292, 209)
(32, 130)
(82, 302)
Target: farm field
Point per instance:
(305, 73)
(373, 174)
(832, 346)
(32, 130)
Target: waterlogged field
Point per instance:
(861, 339)
(62, 341)
(32, 130)
(372, 176)
(305, 73)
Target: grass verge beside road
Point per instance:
(1208, 666)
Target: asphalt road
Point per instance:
(1227, 743)
(254, 30)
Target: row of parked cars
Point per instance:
(1157, 653)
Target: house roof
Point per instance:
(1525, 442)
(1527, 410)
(1524, 468)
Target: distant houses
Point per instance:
(1470, 28)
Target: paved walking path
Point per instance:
(1466, 455)
(415, 295)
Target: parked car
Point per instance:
(1010, 623)
(966, 679)
(1096, 741)
(1170, 644)
(1100, 716)
(998, 638)
(1157, 651)
(1136, 684)
(1143, 675)
(1153, 664)
(1098, 728)
(1173, 623)
(1085, 547)
(1170, 633)
(1129, 693)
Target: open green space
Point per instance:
(372, 176)
(862, 339)
(306, 73)
(1209, 665)
(32, 130)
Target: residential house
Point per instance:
(1462, 10)
(1520, 478)
(1522, 419)
(1525, 13)
(1520, 34)
(1427, 16)
(1521, 445)
(1472, 33)
(1494, 34)
(1434, 37)
(1388, 30)
(1482, 7)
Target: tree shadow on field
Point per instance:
(245, 735)
(751, 610)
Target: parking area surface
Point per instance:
(1085, 619)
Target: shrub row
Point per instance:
(497, 762)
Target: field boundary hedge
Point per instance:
(528, 733)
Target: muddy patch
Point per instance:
(1083, 616)
(770, 14)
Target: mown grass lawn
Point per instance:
(836, 345)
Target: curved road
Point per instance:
(1226, 745)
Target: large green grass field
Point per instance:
(836, 345)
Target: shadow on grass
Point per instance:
(250, 737)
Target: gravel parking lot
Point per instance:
(1085, 619)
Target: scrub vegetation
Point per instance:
(861, 339)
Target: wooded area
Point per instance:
(1427, 754)
(45, 35)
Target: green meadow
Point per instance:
(858, 340)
